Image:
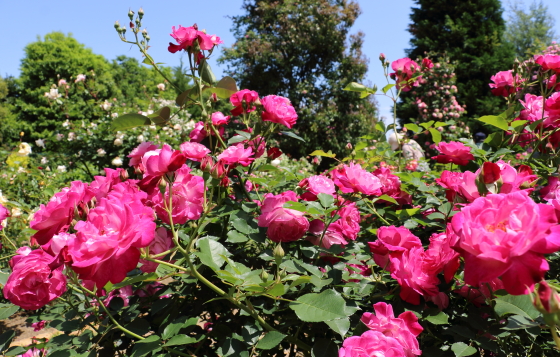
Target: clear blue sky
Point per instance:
(21, 22)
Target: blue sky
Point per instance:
(91, 23)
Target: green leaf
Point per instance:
(415, 128)
(322, 153)
(182, 340)
(7, 310)
(136, 279)
(516, 305)
(495, 120)
(270, 340)
(427, 125)
(387, 88)
(5, 339)
(326, 306)
(439, 319)
(340, 326)
(292, 135)
(174, 327)
(129, 121)
(161, 116)
(380, 126)
(495, 139)
(355, 87)
(461, 349)
(212, 253)
(325, 199)
(236, 237)
(145, 346)
(3, 278)
(206, 72)
(225, 88)
(436, 135)
(514, 124)
(387, 198)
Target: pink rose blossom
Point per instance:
(459, 185)
(284, 224)
(163, 242)
(124, 293)
(552, 107)
(408, 270)
(237, 154)
(58, 214)
(107, 244)
(199, 132)
(33, 283)
(194, 151)
(440, 256)
(371, 344)
(315, 185)
(188, 198)
(102, 185)
(137, 153)
(161, 161)
(243, 101)
(279, 110)
(549, 192)
(391, 185)
(405, 69)
(185, 37)
(333, 235)
(404, 328)
(349, 221)
(548, 62)
(453, 152)
(353, 178)
(504, 84)
(533, 108)
(392, 241)
(34, 352)
(38, 326)
(4, 213)
(219, 119)
(506, 235)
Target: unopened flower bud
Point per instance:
(144, 32)
(382, 57)
(278, 253)
(547, 301)
(349, 146)
(214, 97)
(264, 275)
(141, 13)
(123, 30)
(130, 14)
(117, 25)
(206, 164)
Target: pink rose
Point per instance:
(194, 151)
(552, 107)
(34, 352)
(38, 326)
(279, 110)
(405, 69)
(102, 185)
(371, 343)
(391, 185)
(124, 293)
(392, 241)
(453, 152)
(333, 235)
(504, 84)
(163, 242)
(161, 161)
(284, 224)
(185, 37)
(315, 185)
(353, 178)
(219, 119)
(237, 154)
(549, 192)
(58, 214)
(533, 108)
(33, 283)
(188, 198)
(506, 235)
(548, 62)
(408, 269)
(199, 132)
(4, 213)
(479, 295)
(459, 185)
(404, 328)
(349, 221)
(139, 151)
(440, 256)
(106, 246)
(243, 101)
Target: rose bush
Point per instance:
(221, 245)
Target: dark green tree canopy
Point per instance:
(302, 50)
(470, 33)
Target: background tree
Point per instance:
(8, 131)
(302, 50)
(470, 34)
(529, 31)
